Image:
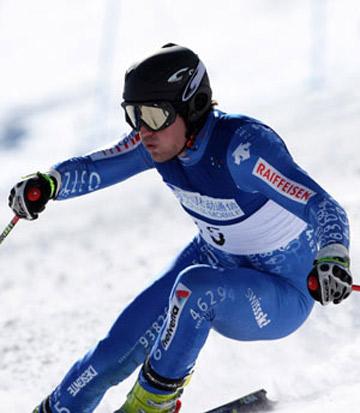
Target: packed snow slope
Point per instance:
(65, 277)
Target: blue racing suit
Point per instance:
(261, 220)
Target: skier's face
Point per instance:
(166, 143)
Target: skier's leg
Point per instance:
(264, 297)
(124, 348)
(242, 303)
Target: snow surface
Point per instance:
(65, 277)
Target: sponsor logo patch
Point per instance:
(182, 294)
(214, 208)
(82, 381)
(285, 186)
(262, 319)
(241, 153)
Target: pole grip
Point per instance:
(313, 284)
(32, 194)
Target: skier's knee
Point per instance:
(199, 278)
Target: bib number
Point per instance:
(216, 235)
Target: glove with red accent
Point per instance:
(330, 279)
(29, 196)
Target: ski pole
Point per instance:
(9, 227)
(313, 284)
(32, 194)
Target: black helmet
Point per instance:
(174, 74)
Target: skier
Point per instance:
(264, 226)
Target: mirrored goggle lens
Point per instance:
(131, 115)
(154, 117)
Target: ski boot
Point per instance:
(153, 393)
(140, 400)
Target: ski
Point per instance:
(251, 403)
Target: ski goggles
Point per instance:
(154, 116)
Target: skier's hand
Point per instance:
(29, 196)
(330, 279)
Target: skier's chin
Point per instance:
(161, 157)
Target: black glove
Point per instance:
(29, 197)
(330, 279)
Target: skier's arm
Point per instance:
(260, 162)
(81, 175)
